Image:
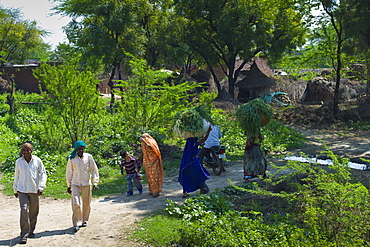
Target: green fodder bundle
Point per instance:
(204, 111)
(253, 115)
(190, 123)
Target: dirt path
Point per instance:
(345, 143)
(110, 215)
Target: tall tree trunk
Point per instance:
(218, 84)
(336, 91)
(338, 71)
(231, 76)
(367, 77)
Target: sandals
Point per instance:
(184, 195)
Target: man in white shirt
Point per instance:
(29, 182)
(212, 138)
(81, 167)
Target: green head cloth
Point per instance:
(75, 146)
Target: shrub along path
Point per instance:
(112, 216)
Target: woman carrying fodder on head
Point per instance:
(191, 124)
(251, 117)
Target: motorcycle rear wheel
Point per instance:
(218, 169)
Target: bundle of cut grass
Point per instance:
(190, 123)
(253, 115)
(204, 111)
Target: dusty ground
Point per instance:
(110, 216)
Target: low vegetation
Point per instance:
(311, 206)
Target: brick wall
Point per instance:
(23, 77)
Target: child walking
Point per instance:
(132, 167)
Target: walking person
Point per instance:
(29, 182)
(255, 163)
(81, 169)
(192, 174)
(132, 168)
(152, 163)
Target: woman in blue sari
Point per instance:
(192, 175)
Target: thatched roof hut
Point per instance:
(254, 84)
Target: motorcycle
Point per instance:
(214, 161)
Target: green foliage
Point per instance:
(235, 190)
(231, 229)
(199, 207)
(220, 31)
(30, 123)
(334, 207)
(106, 148)
(20, 39)
(331, 207)
(4, 107)
(74, 102)
(150, 101)
(359, 125)
(204, 111)
(280, 138)
(111, 181)
(189, 120)
(8, 141)
(105, 30)
(328, 211)
(249, 116)
(232, 136)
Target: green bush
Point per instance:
(198, 207)
(333, 207)
(231, 229)
(280, 138)
(4, 107)
(330, 207)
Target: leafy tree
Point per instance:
(150, 100)
(165, 44)
(336, 13)
(20, 39)
(65, 52)
(223, 31)
(357, 29)
(333, 17)
(75, 104)
(105, 30)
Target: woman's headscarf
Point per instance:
(75, 146)
(152, 143)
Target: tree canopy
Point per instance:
(74, 103)
(223, 31)
(20, 39)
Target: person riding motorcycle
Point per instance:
(210, 139)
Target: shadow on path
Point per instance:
(15, 241)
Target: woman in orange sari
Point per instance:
(152, 163)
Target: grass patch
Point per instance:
(159, 230)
